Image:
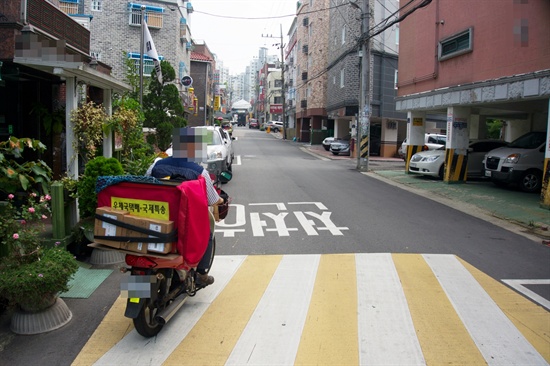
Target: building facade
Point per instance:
(45, 65)
(311, 88)
(468, 61)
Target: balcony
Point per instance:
(46, 17)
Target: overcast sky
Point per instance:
(233, 29)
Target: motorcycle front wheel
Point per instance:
(145, 323)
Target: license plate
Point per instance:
(136, 287)
(488, 173)
(412, 165)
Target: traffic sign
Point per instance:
(187, 81)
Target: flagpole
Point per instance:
(141, 48)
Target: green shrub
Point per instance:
(97, 167)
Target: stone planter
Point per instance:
(54, 316)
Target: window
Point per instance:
(148, 64)
(278, 83)
(456, 45)
(342, 74)
(96, 55)
(69, 7)
(397, 34)
(395, 80)
(97, 5)
(153, 15)
(343, 35)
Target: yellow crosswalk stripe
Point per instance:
(330, 332)
(442, 335)
(337, 309)
(532, 320)
(112, 329)
(213, 338)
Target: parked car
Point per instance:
(341, 146)
(432, 162)
(521, 162)
(276, 126)
(432, 141)
(327, 141)
(253, 123)
(219, 150)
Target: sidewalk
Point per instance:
(506, 207)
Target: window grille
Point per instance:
(456, 45)
(153, 15)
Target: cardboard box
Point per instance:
(160, 226)
(102, 228)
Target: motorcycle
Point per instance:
(160, 284)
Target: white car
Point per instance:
(521, 162)
(431, 162)
(432, 141)
(219, 150)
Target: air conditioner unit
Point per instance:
(306, 22)
(303, 103)
(304, 75)
(305, 48)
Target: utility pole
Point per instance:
(283, 84)
(282, 47)
(141, 49)
(365, 81)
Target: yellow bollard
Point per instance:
(268, 129)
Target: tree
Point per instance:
(494, 127)
(163, 107)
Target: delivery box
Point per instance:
(103, 229)
(151, 241)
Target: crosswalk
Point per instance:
(337, 309)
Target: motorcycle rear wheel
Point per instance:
(145, 323)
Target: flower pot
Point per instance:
(46, 320)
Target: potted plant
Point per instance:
(31, 275)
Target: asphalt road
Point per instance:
(278, 178)
(286, 201)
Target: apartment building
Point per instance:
(115, 31)
(347, 33)
(203, 69)
(290, 71)
(312, 19)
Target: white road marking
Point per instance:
(273, 333)
(137, 350)
(498, 340)
(386, 331)
(518, 286)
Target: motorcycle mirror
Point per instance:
(225, 176)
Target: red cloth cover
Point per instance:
(194, 221)
(188, 208)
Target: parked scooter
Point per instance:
(156, 289)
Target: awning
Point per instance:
(80, 70)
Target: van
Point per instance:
(519, 163)
(432, 141)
